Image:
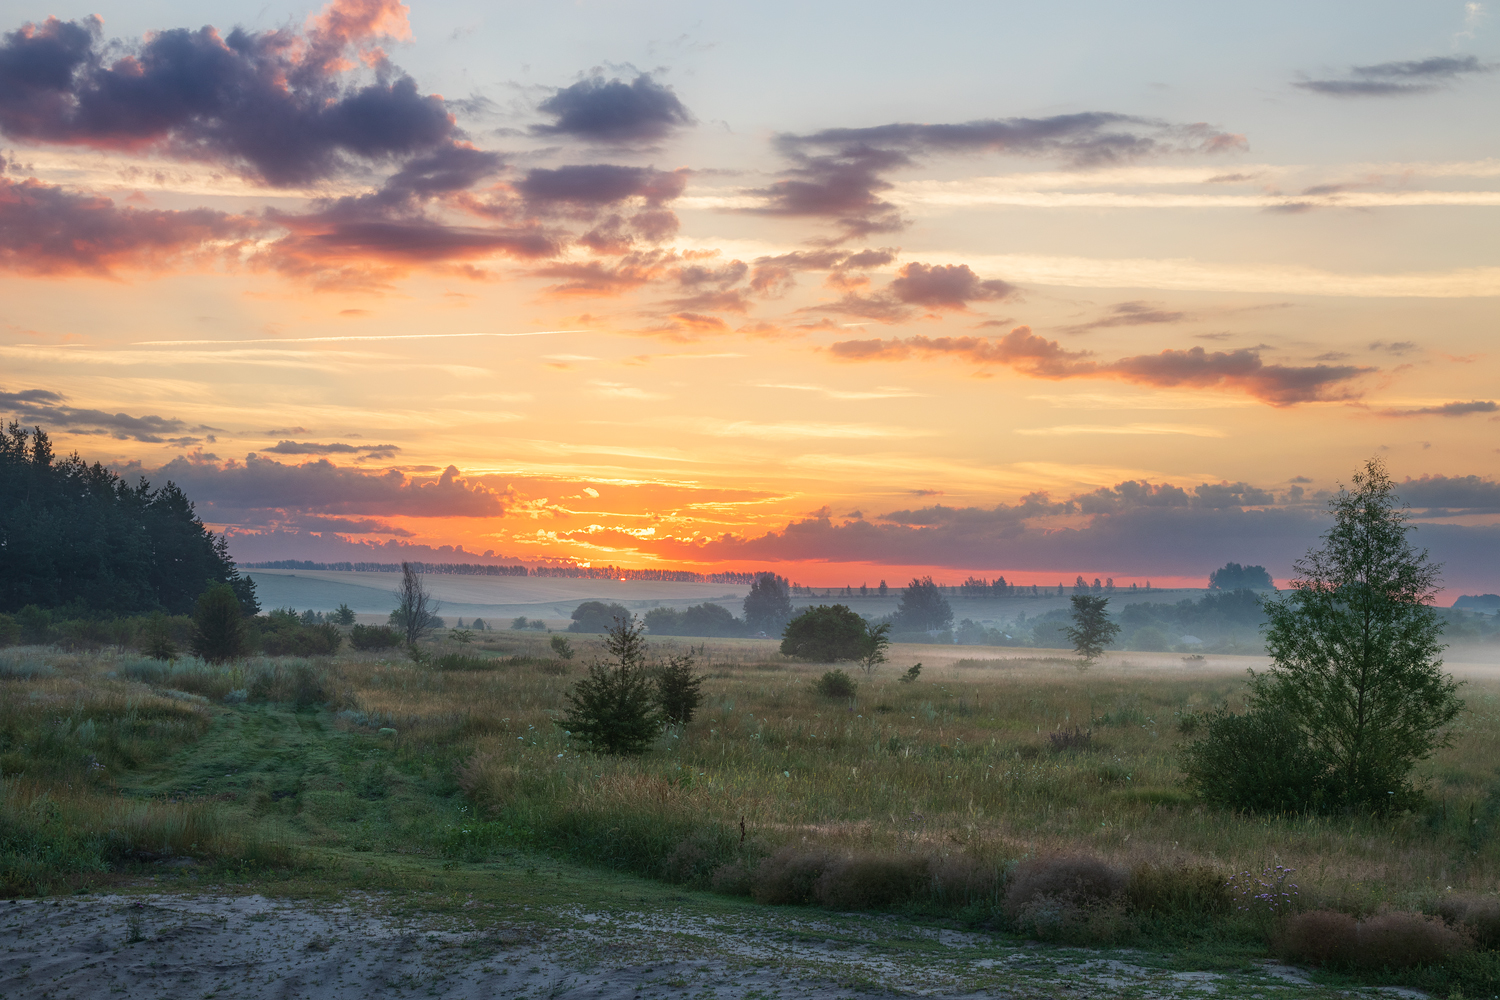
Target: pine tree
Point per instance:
(613, 709)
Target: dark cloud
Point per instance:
(235, 491)
(1461, 494)
(1131, 314)
(334, 448)
(1394, 79)
(841, 173)
(945, 286)
(1455, 409)
(1396, 347)
(599, 184)
(47, 230)
(613, 111)
(1239, 370)
(1134, 528)
(328, 544)
(50, 409)
(273, 105)
(631, 271)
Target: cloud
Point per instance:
(327, 545)
(936, 287)
(273, 105)
(841, 173)
(1239, 370)
(1455, 409)
(599, 184)
(232, 491)
(1394, 79)
(1135, 528)
(776, 274)
(45, 407)
(1460, 494)
(614, 112)
(1132, 314)
(594, 277)
(49, 231)
(347, 525)
(334, 448)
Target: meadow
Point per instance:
(934, 797)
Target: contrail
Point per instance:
(314, 340)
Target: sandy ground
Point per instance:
(202, 947)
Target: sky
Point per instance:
(849, 292)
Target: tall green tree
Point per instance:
(1092, 629)
(1355, 648)
(768, 605)
(613, 709)
(922, 608)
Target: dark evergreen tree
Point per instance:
(922, 607)
(219, 632)
(768, 605)
(78, 536)
(614, 709)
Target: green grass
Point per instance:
(369, 770)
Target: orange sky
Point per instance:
(646, 320)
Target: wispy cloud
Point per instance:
(1396, 79)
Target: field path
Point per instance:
(250, 946)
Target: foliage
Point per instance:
(462, 636)
(922, 608)
(562, 647)
(873, 653)
(678, 689)
(284, 633)
(219, 632)
(1258, 761)
(613, 709)
(1233, 576)
(523, 622)
(1091, 630)
(768, 605)
(826, 634)
(836, 684)
(596, 616)
(1355, 649)
(79, 536)
(156, 638)
(416, 609)
(343, 615)
(374, 637)
(710, 620)
(912, 673)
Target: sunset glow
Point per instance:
(1027, 291)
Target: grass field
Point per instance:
(921, 797)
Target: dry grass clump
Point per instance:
(1389, 940)
(1476, 916)
(801, 875)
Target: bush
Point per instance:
(790, 875)
(678, 689)
(284, 634)
(1479, 917)
(462, 661)
(1392, 940)
(299, 683)
(871, 882)
(10, 631)
(826, 634)
(562, 647)
(374, 637)
(836, 684)
(1258, 761)
(1075, 899)
(596, 616)
(219, 632)
(613, 709)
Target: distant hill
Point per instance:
(1478, 602)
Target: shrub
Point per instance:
(373, 637)
(284, 634)
(10, 631)
(562, 647)
(836, 684)
(869, 882)
(1391, 940)
(1480, 918)
(156, 638)
(613, 709)
(678, 689)
(299, 683)
(1257, 761)
(219, 632)
(737, 878)
(912, 673)
(790, 875)
(1077, 879)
